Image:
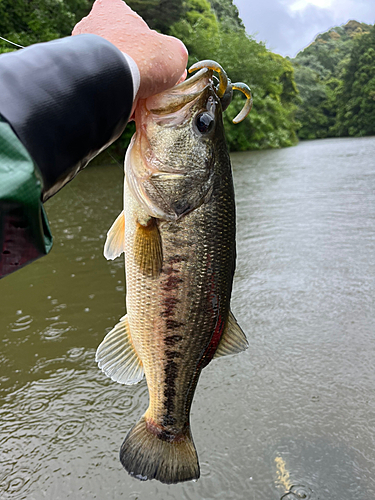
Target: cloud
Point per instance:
(287, 26)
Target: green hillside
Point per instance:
(335, 77)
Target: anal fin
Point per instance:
(116, 356)
(148, 248)
(115, 242)
(233, 339)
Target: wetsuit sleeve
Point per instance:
(61, 103)
(66, 100)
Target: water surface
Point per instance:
(293, 417)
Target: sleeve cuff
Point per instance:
(135, 73)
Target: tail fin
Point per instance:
(148, 455)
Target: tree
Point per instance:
(39, 20)
(310, 114)
(227, 14)
(325, 77)
(158, 14)
(356, 98)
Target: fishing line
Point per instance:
(79, 198)
(114, 159)
(12, 43)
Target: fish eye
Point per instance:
(204, 122)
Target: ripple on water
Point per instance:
(218, 474)
(35, 406)
(22, 323)
(16, 484)
(299, 492)
(69, 429)
(120, 405)
(55, 330)
(132, 400)
(76, 352)
(57, 377)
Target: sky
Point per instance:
(287, 26)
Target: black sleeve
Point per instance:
(66, 100)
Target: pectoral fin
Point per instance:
(233, 339)
(115, 242)
(116, 356)
(148, 248)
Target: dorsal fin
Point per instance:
(115, 242)
(233, 339)
(116, 356)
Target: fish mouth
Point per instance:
(184, 93)
(174, 99)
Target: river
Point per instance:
(292, 417)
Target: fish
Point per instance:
(177, 231)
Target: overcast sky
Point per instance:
(287, 26)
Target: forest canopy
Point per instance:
(328, 90)
(335, 76)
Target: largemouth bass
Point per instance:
(178, 234)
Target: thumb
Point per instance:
(161, 59)
(163, 64)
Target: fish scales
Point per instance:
(184, 302)
(178, 234)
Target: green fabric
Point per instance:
(24, 231)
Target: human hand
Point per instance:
(161, 59)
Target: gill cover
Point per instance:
(169, 165)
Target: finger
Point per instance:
(161, 59)
(183, 77)
(164, 62)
